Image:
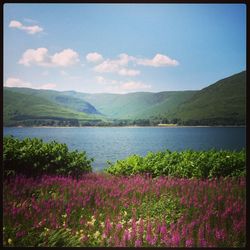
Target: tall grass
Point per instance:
(104, 210)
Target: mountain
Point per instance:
(23, 104)
(60, 98)
(223, 103)
(139, 105)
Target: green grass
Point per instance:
(225, 98)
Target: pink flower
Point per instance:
(163, 230)
(138, 243)
(126, 235)
(203, 243)
(148, 238)
(175, 239)
(220, 234)
(119, 226)
(189, 243)
(153, 241)
(20, 234)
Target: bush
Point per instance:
(186, 164)
(33, 157)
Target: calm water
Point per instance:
(117, 143)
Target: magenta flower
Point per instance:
(189, 243)
(220, 209)
(119, 226)
(138, 243)
(175, 239)
(203, 243)
(20, 234)
(220, 234)
(163, 230)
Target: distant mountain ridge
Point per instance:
(223, 102)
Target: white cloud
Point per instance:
(110, 65)
(128, 72)
(15, 24)
(126, 87)
(117, 66)
(121, 86)
(16, 82)
(104, 81)
(134, 86)
(47, 86)
(159, 60)
(107, 66)
(100, 80)
(32, 29)
(35, 56)
(29, 29)
(41, 57)
(124, 59)
(120, 65)
(94, 57)
(64, 58)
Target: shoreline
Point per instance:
(172, 126)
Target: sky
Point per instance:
(122, 48)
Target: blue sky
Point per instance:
(121, 48)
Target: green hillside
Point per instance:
(224, 101)
(168, 102)
(136, 105)
(19, 107)
(60, 98)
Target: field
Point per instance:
(165, 199)
(105, 210)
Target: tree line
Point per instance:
(155, 121)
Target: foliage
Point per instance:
(33, 157)
(108, 211)
(189, 163)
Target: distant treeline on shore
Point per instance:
(126, 122)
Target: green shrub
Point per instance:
(131, 165)
(33, 157)
(185, 164)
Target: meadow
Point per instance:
(136, 211)
(58, 208)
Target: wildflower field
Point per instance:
(134, 211)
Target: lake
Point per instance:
(113, 143)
